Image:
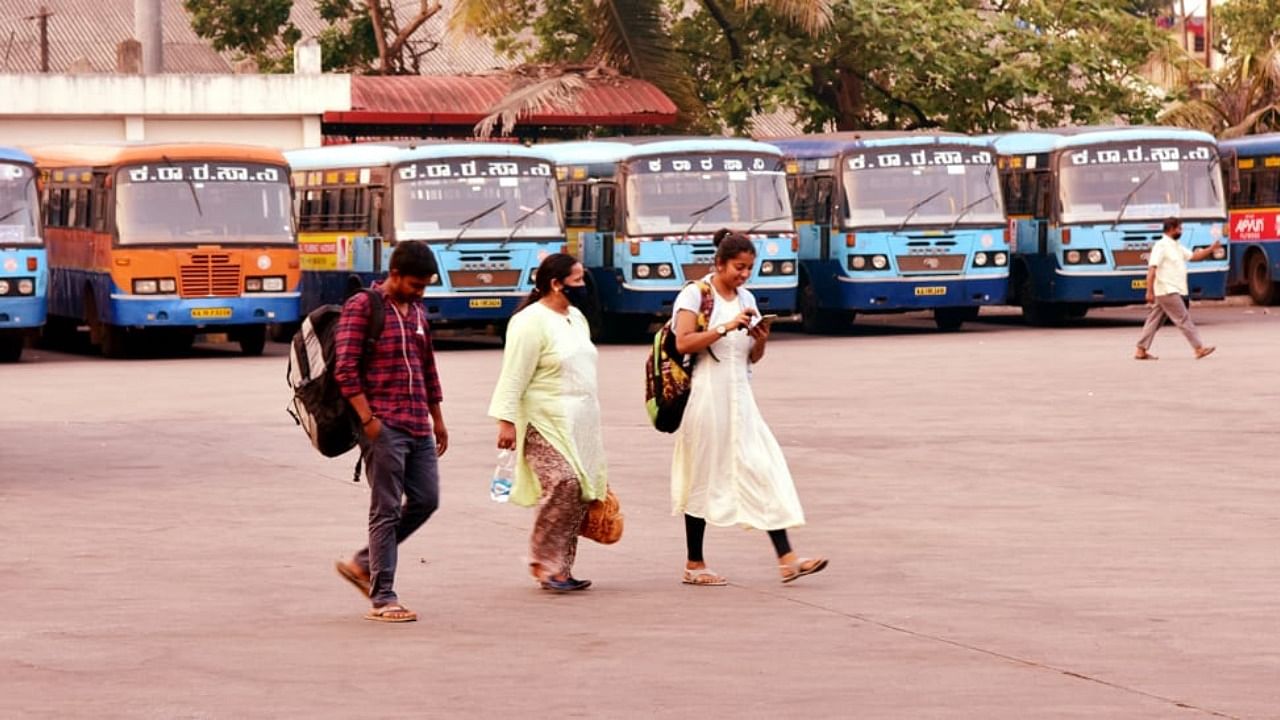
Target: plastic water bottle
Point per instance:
(503, 473)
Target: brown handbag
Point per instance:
(603, 521)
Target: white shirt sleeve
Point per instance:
(1154, 257)
(1186, 252)
(690, 298)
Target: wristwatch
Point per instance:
(721, 330)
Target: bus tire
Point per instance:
(284, 332)
(951, 319)
(813, 319)
(253, 340)
(1262, 288)
(111, 340)
(1077, 311)
(11, 348)
(1034, 312)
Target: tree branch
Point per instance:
(426, 11)
(375, 18)
(717, 14)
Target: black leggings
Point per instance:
(695, 529)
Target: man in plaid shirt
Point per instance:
(395, 391)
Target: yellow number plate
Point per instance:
(1139, 284)
(485, 303)
(936, 290)
(207, 313)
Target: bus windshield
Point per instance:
(1149, 181)
(18, 205)
(667, 195)
(934, 186)
(204, 203)
(484, 199)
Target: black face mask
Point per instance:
(577, 295)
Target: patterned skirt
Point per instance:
(554, 540)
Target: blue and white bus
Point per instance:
(641, 213)
(24, 267)
(1087, 204)
(1253, 169)
(489, 211)
(895, 222)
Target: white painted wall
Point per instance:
(284, 111)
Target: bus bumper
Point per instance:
(1129, 288)
(171, 311)
(471, 310)
(920, 293)
(22, 312)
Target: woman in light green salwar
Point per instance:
(547, 410)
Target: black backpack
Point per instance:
(318, 405)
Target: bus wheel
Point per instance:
(1077, 311)
(112, 340)
(253, 340)
(1261, 287)
(951, 319)
(813, 318)
(11, 348)
(626, 328)
(1034, 312)
(284, 332)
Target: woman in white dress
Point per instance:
(727, 468)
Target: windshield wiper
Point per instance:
(769, 220)
(912, 210)
(190, 185)
(965, 210)
(11, 213)
(465, 224)
(699, 213)
(520, 220)
(1216, 161)
(1127, 198)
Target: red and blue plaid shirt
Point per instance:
(399, 379)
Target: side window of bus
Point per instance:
(824, 187)
(310, 215)
(84, 208)
(1243, 194)
(1264, 188)
(99, 207)
(579, 207)
(62, 207)
(351, 212)
(802, 189)
(1043, 197)
(606, 208)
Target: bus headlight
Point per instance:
(168, 285)
(145, 287)
(665, 271)
(4, 287)
(788, 268)
(1095, 257)
(253, 284)
(641, 271)
(26, 287)
(273, 284)
(767, 267)
(1073, 257)
(879, 262)
(980, 259)
(1002, 259)
(858, 262)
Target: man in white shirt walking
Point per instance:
(1166, 286)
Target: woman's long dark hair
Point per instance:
(730, 244)
(557, 266)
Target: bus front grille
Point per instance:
(930, 263)
(696, 271)
(210, 275)
(484, 278)
(1131, 258)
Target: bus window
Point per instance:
(1264, 188)
(803, 192)
(578, 207)
(822, 199)
(606, 219)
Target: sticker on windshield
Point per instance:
(508, 182)
(955, 169)
(738, 176)
(1169, 166)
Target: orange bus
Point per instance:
(169, 240)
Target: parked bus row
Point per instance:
(158, 243)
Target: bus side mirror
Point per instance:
(606, 210)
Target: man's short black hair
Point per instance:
(1171, 223)
(414, 258)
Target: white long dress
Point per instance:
(727, 468)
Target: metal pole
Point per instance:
(44, 38)
(1208, 34)
(147, 25)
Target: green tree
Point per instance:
(1247, 27)
(361, 36)
(1241, 98)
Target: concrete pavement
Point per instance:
(1021, 523)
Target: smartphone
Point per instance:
(766, 319)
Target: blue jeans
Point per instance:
(404, 489)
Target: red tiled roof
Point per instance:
(467, 99)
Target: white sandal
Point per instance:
(797, 569)
(695, 577)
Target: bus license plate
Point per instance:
(485, 303)
(210, 313)
(1139, 284)
(932, 290)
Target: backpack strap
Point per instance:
(372, 330)
(705, 309)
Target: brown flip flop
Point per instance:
(352, 574)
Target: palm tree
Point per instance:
(631, 38)
(1241, 98)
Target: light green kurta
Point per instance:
(549, 381)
